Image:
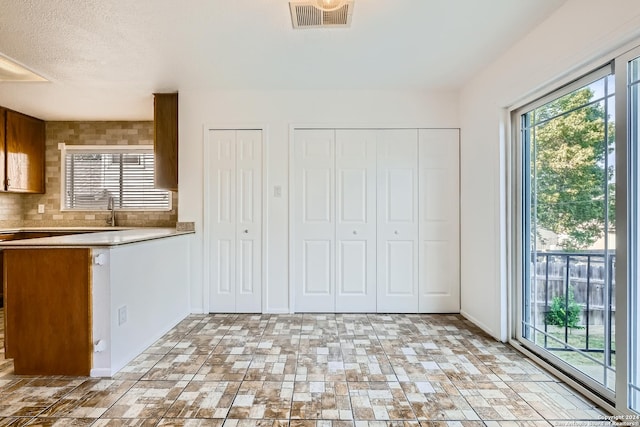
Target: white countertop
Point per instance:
(112, 237)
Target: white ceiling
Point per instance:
(104, 58)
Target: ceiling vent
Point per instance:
(306, 14)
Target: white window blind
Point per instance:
(93, 175)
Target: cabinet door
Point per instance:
(397, 221)
(439, 221)
(25, 151)
(165, 141)
(355, 220)
(314, 220)
(47, 311)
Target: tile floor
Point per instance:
(342, 370)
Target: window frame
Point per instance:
(105, 150)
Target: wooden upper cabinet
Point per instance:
(25, 153)
(166, 140)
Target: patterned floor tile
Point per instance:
(61, 422)
(262, 399)
(123, 422)
(278, 345)
(138, 367)
(512, 367)
(321, 400)
(452, 424)
(320, 368)
(433, 400)
(147, 399)
(196, 344)
(182, 422)
(6, 367)
(387, 424)
(496, 401)
(14, 421)
(378, 401)
(555, 401)
(279, 368)
(306, 370)
(224, 367)
(89, 400)
(232, 344)
(368, 368)
(30, 396)
(256, 423)
(517, 424)
(410, 369)
(176, 367)
(202, 399)
(165, 344)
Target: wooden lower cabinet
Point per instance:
(48, 310)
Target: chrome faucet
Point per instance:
(112, 209)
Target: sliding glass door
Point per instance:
(629, 66)
(568, 306)
(577, 243)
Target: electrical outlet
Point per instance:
(122, 315)
(40, 209)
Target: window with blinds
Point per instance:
(94, 175)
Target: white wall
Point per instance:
(278, 110)
(581, 33)
(150, 279)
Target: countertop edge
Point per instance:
(102, 238)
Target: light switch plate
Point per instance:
(122, 315)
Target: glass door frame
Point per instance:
(520, 240)
(627, 219)
(627, 164)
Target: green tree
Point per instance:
(568, 159)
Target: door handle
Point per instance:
(355, 232)
(246, 231)
(396, 232)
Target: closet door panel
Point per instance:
(314, 220)
(249, 221)
(355, 220)
(397, 225)
(222, 227)
(439, 221)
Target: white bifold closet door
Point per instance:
(375, 220)
(235, 220)
(355, 220)
(314, 216)
(398, 221)
(439, 208)
(335, 220)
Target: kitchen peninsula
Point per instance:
(88, 303)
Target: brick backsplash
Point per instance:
(10, 210)
(22, 209)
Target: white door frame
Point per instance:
(292, 128)
(207, 215)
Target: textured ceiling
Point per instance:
(104, 58)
